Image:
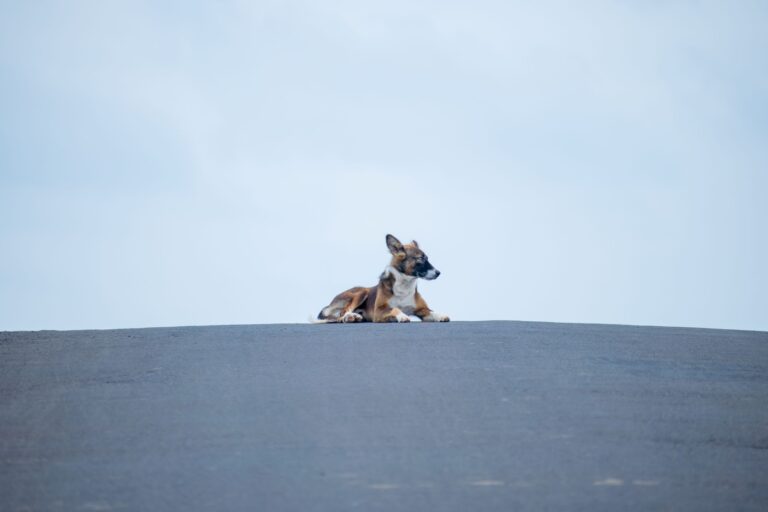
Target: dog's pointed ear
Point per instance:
(394, 245)
(415, 244)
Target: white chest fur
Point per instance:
(403, 291)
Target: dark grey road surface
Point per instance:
(487, 416)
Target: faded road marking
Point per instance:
(486, 483)
(384, 487)
(609, 481)
(96, 505)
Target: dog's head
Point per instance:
(410, 259)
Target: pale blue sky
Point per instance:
(241, 162)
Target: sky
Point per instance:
(239, 162)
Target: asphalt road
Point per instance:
(484, 416)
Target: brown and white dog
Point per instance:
(394, 298)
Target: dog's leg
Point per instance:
(350, 317)
(383, 313)
(434, 316)
(342, 307)
(427, 315)
(358, 297)
(395, 315)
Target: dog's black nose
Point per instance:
(437, 273)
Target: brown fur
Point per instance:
(373, 304)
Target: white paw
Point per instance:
(436, 317)
(350, 317)
(402, 318)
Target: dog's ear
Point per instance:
(415, 244)
(394, 245)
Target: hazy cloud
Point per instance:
(241, 162)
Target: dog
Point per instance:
(394, 298)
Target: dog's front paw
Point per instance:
(436, 317)
(400, 318)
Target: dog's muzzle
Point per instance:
(431, 274)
